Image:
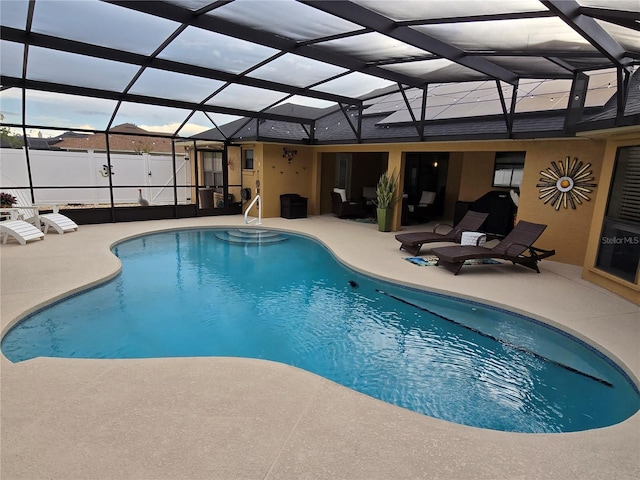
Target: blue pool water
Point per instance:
(208, 293)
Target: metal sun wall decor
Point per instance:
(568, 182)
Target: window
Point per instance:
(212, 169)
(248, 159)
(507, 170)
(619, 250)
(344, 164)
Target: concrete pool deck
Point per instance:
(227, 418)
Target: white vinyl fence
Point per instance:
(152, 173)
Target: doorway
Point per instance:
(425, 172)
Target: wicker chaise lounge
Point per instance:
(516, 247)
(412, 242)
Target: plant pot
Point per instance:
(384, 219)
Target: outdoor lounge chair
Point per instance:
(20, 230)
(516, 247)
(412, 242)
(30, 213)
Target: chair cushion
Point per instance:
(427, 198)
(342, 192)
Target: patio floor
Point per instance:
(227, 418)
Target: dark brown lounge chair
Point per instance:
(516, 247)
(412, 242)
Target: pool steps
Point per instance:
(250, 236)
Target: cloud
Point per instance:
(188, 130)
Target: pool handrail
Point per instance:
(246, 213)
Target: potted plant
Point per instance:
(385, 199)
(7, 200)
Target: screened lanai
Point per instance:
(161, 96)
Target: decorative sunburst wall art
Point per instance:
(565, 184)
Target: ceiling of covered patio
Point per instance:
(186, 66)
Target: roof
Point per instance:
(341, 126)
(632, 105)
(38, 143)
(122, 138)
(185, 66)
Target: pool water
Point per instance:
(285, 298)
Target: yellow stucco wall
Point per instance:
(235, 171)
(477, 175)
(472, 163)
(572, 233)
(395, 167)
(252, 178)
(567, 229)
(279, 176)
(621, 287)
(327, 176)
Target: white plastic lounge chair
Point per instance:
(20, 230)
(30, 213)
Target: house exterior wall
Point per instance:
(395, 166)
(573, 233)
(253, 178)
(280, 176)
(327, 175)
(472, 163)
(628, 290)
(567, 229)
(477, 175)
(234, 161)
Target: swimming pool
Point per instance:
(192, 293)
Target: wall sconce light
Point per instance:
(288, 154)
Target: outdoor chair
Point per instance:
(20, 230)
(424, 209)
(293, 205)
(342, 208)
(412, 242)
(517, 247)
(30, 213)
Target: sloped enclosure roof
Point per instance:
(321, 71)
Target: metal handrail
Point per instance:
(246, 213)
